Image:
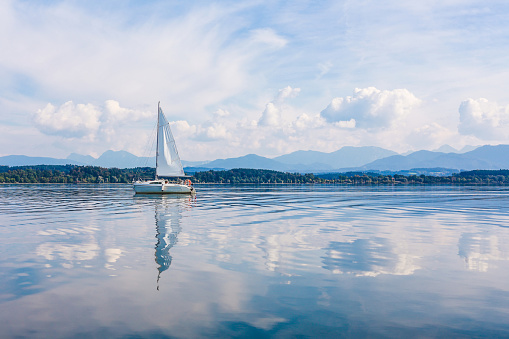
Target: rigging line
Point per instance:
(148, 148)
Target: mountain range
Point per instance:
(347, 156)
(484, 157)
(345, 159)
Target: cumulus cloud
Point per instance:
(283, 128)
(286, 93)
(233, 131)
(483, 119)
(84, 120)
(219, 128)
(182, 126)
(211, 131)
(271, 116)
(305, 121)
(346, 123)
(68, 120)
(217, 131)
(370, 108)
(113, 113)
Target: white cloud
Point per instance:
(211, 131)
(182, 126)
(85, 120)
(69, 120)
(113, 113)
(286, 93)
(283, 128)
(221, 113)
(271, 116)
(346, 123)
(305, 121)
(217, 131)
(483, 119)
(371, 108)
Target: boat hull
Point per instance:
(145, 188)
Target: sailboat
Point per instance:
(168, 164)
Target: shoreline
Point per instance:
(273, 184)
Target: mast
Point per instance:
(157, 136)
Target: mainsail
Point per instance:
(167, 158)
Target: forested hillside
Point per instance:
(91, 174)
(72, 174)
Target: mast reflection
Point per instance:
(168, 215)
(167, 229)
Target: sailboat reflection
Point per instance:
(168, 214)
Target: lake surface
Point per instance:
(254, 261)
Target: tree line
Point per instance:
(67, 174)
(93, 174)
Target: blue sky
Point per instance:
(264, 77)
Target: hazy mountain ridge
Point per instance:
(342, 160)
(122, 159)
(449, 149)
(246, 161)
(83, 159)
(484, 157)
(119, 159)
(347, 156)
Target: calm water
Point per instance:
(247, 261)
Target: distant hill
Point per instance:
(446, 149)
(123, 159)
(248, 161)
(186, 163)
(83, 159)
(347, 156)
(118, 159)
(485, 157)
(109, 159)
(258, 162)
(449, 149)
(498, 155)
(468, 148)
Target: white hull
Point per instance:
(151, 187)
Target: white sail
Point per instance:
(167, 164)
(167, 159)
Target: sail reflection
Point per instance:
(167, 230)
(168, 215)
